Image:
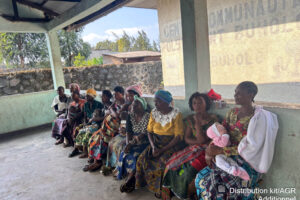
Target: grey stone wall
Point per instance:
(148, 74)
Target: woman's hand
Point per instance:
(136, 138)
(213, 150)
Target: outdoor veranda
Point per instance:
(29, 172)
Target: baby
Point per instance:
(220, 138)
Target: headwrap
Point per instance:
(76, 86)
(142, 100)
(135, 88)
(91, 92)
(164, 96)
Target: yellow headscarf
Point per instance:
(91, 92)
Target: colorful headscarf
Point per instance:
(91, 92)
(136, 88)
(142, 100)
(164, 96)
(76, 86)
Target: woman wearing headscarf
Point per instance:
(117, 144)
(98, 143)
(75, 117)
(252, 133)
(165, 130)
(92, 121)
(136, 142)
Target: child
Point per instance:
(220, 138)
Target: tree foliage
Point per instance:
(30, 49)
(129, 43)
(80, 61)
(71, 45)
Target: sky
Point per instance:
(126, 19)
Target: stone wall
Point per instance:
(148, 74)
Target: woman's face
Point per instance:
(105, 99)
(89, 98)
(72, 88)
(130, 96)
(118, 96)
(75, 97)
(159, 104)
(242, 97)
(60, 92)
(199, 105)
(137, 106)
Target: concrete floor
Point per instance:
(32, 167)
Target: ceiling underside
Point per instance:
(46, 15)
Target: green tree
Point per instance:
(20, 49)
(71, 45)
(107, 44)
(142, 42)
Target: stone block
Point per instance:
(14, 82)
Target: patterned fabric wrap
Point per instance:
(127, 161)
(216, 183)
(183, 166)
(149, 170)
(99, 141)
(116, 146)
(57, 127)
(85, 133)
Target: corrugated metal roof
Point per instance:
(133, 54)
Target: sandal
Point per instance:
(95, 166)
(126, 188)
(59, 142)
(66, 145)
(157, 195)
(86, 168)
(75, 152)
(83, 155)
(106, 170)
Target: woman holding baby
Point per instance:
(249, 128)
(183, 166)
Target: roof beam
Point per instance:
(67, 0)
(79, 11)
(21, 27)
(38, 7)
(24, 19)
(96, 15)
(16, 13)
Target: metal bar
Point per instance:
(37, 6)
(16, 13)
(24, 19)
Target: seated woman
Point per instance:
(136, 142)
(183, 166)
(98, 143)
(60, 107)
(117, 144)
(214, 183)
(75, 117)
(86, 130)
(165, 130)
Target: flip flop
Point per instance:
(86, 168)
(74, 153)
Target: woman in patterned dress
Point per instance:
(165, 130)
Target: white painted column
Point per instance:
(184, 45)
(55, 59)
(202, 45)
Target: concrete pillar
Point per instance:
(202, 45)
(184, 46)
(55, 59)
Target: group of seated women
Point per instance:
(160, 150)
